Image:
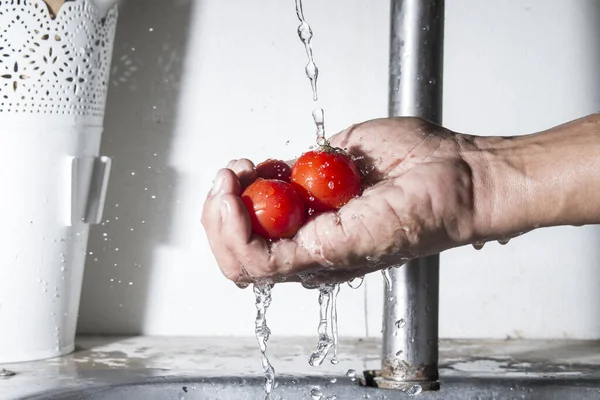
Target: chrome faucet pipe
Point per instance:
(410, 347)
(410, 321)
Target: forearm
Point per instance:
(546, 179)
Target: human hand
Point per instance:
(418, 200)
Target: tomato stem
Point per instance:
(328, 148)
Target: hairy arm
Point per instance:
(545, 179)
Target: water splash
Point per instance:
(325, 340)
(305, 34)
(262, 293)
(386, 277)
(319, 117)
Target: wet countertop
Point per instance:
(234, 356)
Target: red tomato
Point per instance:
(276, 209)
(326, 179)
(274, 169)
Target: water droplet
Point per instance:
(331, 185)
(399, 353)
(351, 374)
(478, 245)
(316, 394)
(333, 380)
(355, 283)
(151, 30)
(4, 373)
(400, 323)
(503, 241)
(414, 390)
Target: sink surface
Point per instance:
(291, 388)
(171, 368)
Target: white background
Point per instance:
(196, 83)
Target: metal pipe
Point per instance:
(410, 324)
(410, 352)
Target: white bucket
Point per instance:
(53, 84)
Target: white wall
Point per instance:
(196, 83)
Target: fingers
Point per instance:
(226, 183)
(249, 250)
(245, 171)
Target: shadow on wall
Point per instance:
(150, 47)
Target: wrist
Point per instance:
(502, 193)
(526, 182)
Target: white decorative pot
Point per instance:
(53, 85)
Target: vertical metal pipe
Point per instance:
(410, 325)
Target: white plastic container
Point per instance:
(53, 84)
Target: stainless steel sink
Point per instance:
(289, 388)
(148, 368)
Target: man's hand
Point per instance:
(418, 200)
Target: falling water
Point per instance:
(325, 340)
(305, 33)
(386, 277)
(319, 117)
(262, 293)
(334, 323)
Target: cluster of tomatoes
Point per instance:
(282, 197)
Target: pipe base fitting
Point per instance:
(375, 379)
